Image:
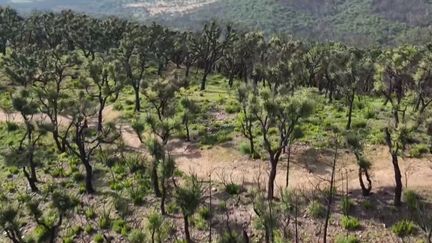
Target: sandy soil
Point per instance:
(310, 167)
(170, 7)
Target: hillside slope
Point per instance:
(359, 22)
(364, 22)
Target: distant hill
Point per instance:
(360, 22)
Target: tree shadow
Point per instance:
(316, 161)
(189, 150)
(379, 207)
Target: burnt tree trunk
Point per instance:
(155, 180)
(137, 99)
(61, 147)
(186, 123)
(204, 80)
(397, 172)
(188, 66)
(398, 180)
(186, 229)
(288, 166)
(89, 177)
(330, 196)
(365, 189)
(272, 177)
(31, 181)
(350, 110)
(163, 198)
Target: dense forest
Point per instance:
(356, 22)
(115, 131)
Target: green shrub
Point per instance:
(360, 105)
(172, 208)
(90, 213)
(136, 236)
(137, 196)
(11, 126)
(116, 186)
(316, 209)
(104, 221)
(376, 137)
(228, 237)
(82, 188)
(78, 177)
(14, 170)
(403, 228)
(232, 108)
(98, 238)
(118, 225)
(120, 169)
(418, 150)
(118, 106)
(213, 139)
(326, 192)
(350, 223)
(122, 206)
(10, 187)
(367, 205)
(68, 240)
(346, 239)
(359, 124)
(369, 114)
(40, 233)
(58, 172)
(88, 229)
(129, 102)
(245, 148)
(411, 198)
(125, 231)
(346, 205)
(233, 189)
(199, 223)
(76, 230)
(204, 213)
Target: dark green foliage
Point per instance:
(10, 220)
(411, 199)
(346, 205)
(233, 189)
(40, 234)
(232, 108)
(90, 213)
(228, 237)
(118, 225)
(105, 221)
(316, 209)
(137, 195)
(403, 228)
(346, 239)
(350, 223)
(418, 150)
(11, 126)
(188, 197)
(88, 229)
(98, 238)
(172, 208)
(122, 206)
(205, 213)
(368, 205)
(69, 67)
(245, 148)
(136, 236)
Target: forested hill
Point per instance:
(359, 22)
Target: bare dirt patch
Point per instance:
(310, 167)
(170, 7)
